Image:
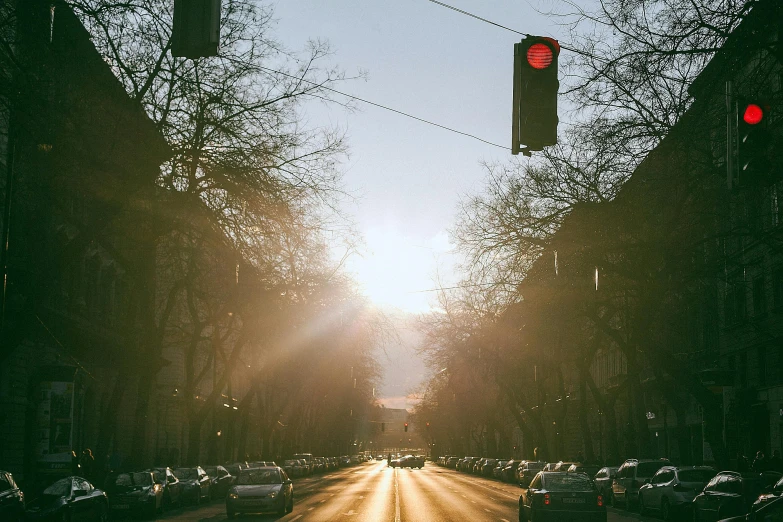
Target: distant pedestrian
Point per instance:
(87, 462)
(760, 463)
(775, 462)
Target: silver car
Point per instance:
(261, 490)
(672, 489)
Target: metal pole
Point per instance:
(9, 187)
(730, 143)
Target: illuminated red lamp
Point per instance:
(547, 500)
(753, 114)
(600, 501)
(540, 56)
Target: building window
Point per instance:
(761, 356)
(759, 297)
(735, 310)
(777, 289)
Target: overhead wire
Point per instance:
(385, 107)
(447, 6)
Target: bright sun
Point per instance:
(394, 269)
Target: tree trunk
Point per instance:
(194, 439)
(587, 437)
(108, 425)
(139, 452)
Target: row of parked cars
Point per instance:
(148, 492)
(654, 486)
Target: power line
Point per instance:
(447, 6)
(368, 102)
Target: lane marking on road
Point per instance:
(488, 511)
(324, 500)
(503, 520)
(396, 498)
(310, 509)
(296, 518)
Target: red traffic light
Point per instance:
(753, 114)
(540, 56)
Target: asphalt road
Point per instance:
(373, 492)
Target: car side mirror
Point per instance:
(288, 481)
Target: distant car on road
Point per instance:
(527, 470)
(261, 490)
(408, 461)
(558, 495)
(11, 499)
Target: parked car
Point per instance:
(220, 481)
(497, 471)
(630, 477)
(603, 481)
(451, 462)
(527, 470)
(11, 498)
(195, 484)
(562, 496)
(261, 490)
(510, 471)
(134, 493)
(172, 488)
(672, 489)
(68, 497)
(588, 469)
(769, 512)
(731, 494)
(487, 467)
(563, 466)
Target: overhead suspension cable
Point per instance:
(385, 107)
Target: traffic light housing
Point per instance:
(406, 426)
(195, 32)
(534, 116)
(754, 143)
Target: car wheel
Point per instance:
(291, 505)
(665, 509)
(613, 501)
(281, 512)
(642, 508)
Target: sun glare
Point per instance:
(395, 270)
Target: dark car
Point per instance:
(528, 469)
(408, 461)
(557, 495)
(261, 490)
(603, 481)
(195, 484)
(731, 494)
(220, 481)
(672, 489)
(134, 493)
(487, 467)
(172, 488)
(11, 498)
(71, 498)
(451, 462)
(770, 511)
(630, 477)
(509, 473)
(588, 469)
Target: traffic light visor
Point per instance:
(540, 56)
(753, 114)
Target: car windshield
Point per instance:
(187, 473)
(648, 469)
(253, 477)
(695, 475)
(567, 482)
(59, 488)
(5, 485)
(132, 479)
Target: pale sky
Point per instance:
(439, 65)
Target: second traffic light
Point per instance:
(406, 426)
(534, 115)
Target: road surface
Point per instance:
(373, 492)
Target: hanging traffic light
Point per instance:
(195, 32)
(406, 426)
(534, 116)
(754, 157)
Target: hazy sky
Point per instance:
(437, 64)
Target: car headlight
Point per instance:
(233, 496)
(273, 494)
